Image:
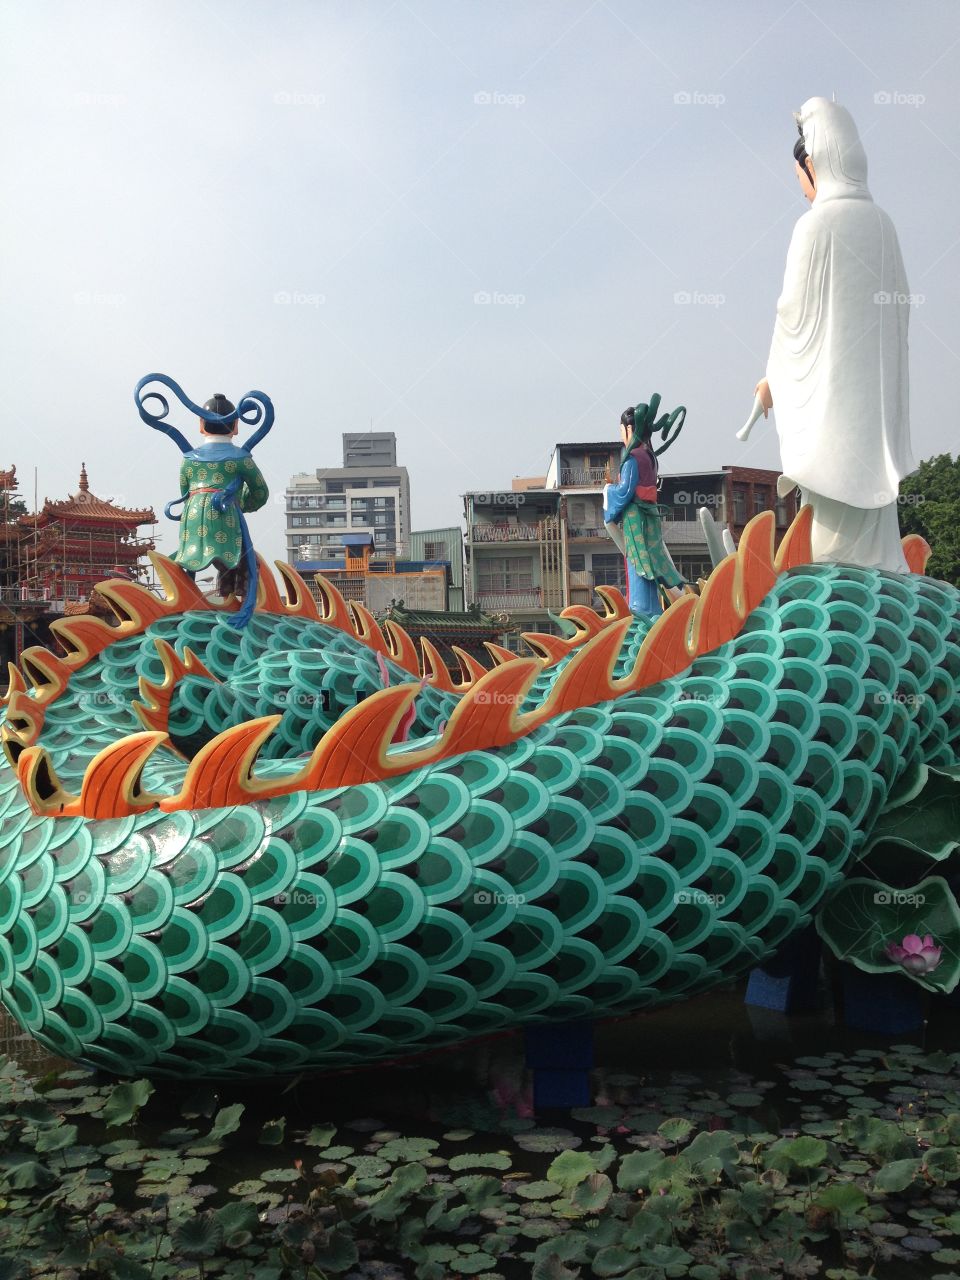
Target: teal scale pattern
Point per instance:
(620, 857)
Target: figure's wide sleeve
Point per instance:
(255, 491)
(800, 301)
(619, 495)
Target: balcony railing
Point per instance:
(581, 578)
(497, 601)
(587, 531)
(505, 532)
(583, 476)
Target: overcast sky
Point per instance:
(472, 224)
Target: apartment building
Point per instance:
(541, 545)
(370, 494)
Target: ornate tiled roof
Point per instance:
(443, 620)
(84, 505)
(8, 479)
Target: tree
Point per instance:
(930, 505)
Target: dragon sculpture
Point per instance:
(291, 847)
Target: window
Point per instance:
(578, 513)
(739, 505)
(506, 573)
(598, 461)
(577, 563)
(761, 501)
(693, 567)
(334, 486)
(782, 517)
(434, 551)
(609, 570)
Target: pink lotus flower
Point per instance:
(915, 954)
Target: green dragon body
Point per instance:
(594, 858)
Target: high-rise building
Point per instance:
(368, 494)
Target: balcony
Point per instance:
(572, 477)
(587, 531)
(509, 601)
(505, 532)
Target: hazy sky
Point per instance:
(314, 199)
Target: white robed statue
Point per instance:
(837, 373)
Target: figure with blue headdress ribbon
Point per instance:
(219, 483)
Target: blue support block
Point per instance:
(560, 1057)
(790, 981)
(881, 1003)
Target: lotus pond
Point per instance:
(720, 1142)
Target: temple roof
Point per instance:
(84, 505)
(444, 620)
(8, 479)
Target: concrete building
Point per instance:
(541, 545)
(368, 494)
(431, 545)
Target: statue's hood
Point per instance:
(834, 146)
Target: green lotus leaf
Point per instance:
(23, 1172)
(338, 1253)
(875, 1137)
(796, 1153)
(199, 1236)
(124, 1102)
(614, 1260)
(472, 1264)
(488, 1160)
(922, 814)
(280, 1175)
(552, 1267)
(271, 1135)
(843, 1199)
(897, 1175)
(65, 1135)
(539, 1190)
(862, 916)
(592, 1194)
(571, 1167)
(548, 1140)
(227, 1120)
(675, 1129)
(407, 1150)
(321, 1135)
